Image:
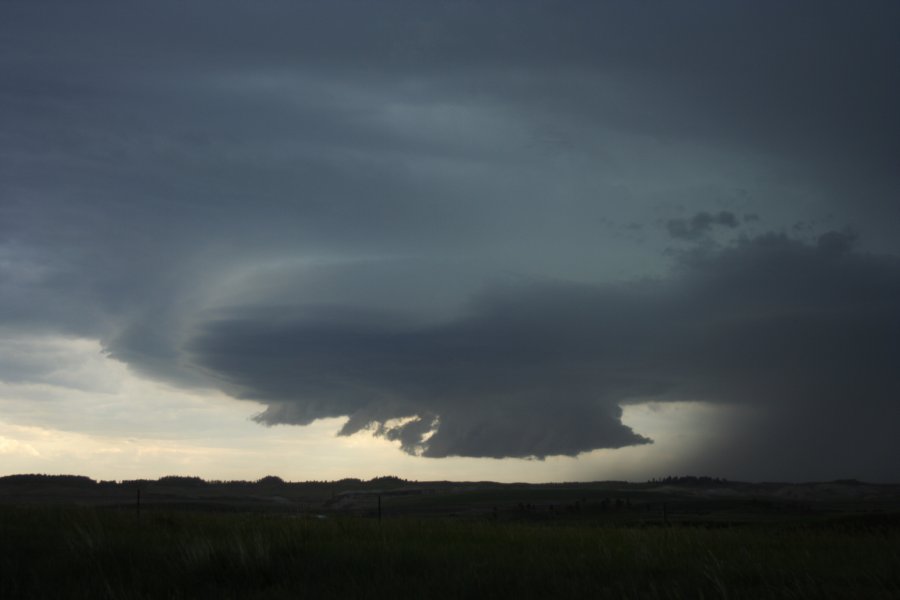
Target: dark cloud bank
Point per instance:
(163, 161)
(700, 225)
(807, 334)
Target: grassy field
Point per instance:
(48, 552)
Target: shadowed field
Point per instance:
(111, 553)
(72, 537)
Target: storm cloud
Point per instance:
(700, 225)
(808, 334)
(477, 230)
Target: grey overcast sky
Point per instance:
(448, 239)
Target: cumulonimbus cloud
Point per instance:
(143, 190)
(808, 333)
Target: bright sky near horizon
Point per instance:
(95, 417)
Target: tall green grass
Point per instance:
(87, 553)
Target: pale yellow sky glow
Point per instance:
(91, 415)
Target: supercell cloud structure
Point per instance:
(478, 230)
(808, 333)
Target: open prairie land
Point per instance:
(458, 540)
(94, 553)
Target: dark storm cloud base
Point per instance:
(807, 334)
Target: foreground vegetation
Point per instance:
(112, 553)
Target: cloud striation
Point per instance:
(808, 334)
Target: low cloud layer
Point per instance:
(806, 334)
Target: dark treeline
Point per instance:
(274, 480)
(384, 481)
(186, 481)
(691, 480)
(66, 480)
